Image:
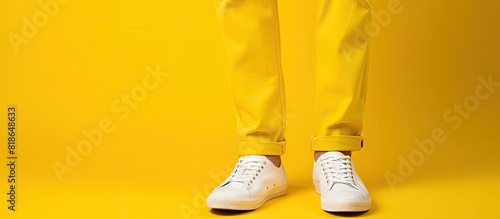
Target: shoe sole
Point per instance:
(249, 204)
(345, 205)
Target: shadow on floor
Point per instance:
(221, 212)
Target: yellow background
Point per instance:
(162, 158)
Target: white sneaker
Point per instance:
(340, 187)
(254, 180)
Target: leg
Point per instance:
(342, 53)
(250, 32)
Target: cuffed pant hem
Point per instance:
(337, 143)
(261, 148)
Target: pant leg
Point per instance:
(342, 52)
(250, 32)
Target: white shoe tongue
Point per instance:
(333, 154)
(254, 158)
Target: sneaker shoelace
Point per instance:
(247, 171)
(337, 170)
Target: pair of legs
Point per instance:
(250, 31)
